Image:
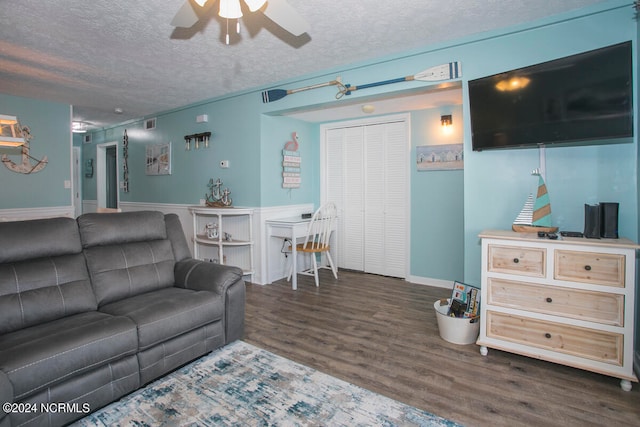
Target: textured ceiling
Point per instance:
(103, 55)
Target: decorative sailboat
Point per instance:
(536, 214)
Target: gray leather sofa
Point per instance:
(94, 308)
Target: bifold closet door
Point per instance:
(345, 187)
(366, 171)
(385, 200)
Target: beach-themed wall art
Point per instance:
(158, 159)
(291, 162)
(439, 157)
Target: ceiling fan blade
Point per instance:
(186, 16)
(280, 12)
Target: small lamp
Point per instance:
(447, 123)
(10, 132)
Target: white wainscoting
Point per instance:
(261, 243)
(36, 213)
(278, 264)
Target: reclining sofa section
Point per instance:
(93, 309)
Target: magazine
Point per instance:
(465, 300)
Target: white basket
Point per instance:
(456, 330)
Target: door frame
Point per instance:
(101, 173)
(76, 186)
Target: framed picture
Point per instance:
(439, 157)
(158, 159)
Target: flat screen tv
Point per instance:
(581, 99)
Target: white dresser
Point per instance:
(569, 301)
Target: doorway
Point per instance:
(107, 175)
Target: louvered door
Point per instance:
(365, 172)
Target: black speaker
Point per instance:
(609, 220)
(592, 221)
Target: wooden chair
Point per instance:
(317, 240)
(108, 210)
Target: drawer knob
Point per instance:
(549, 299)
(587, 267)
(547, 335)
(516, 260)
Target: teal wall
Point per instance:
(497, 182)
(235, 137)
(437, 202)
(448, 208)
(276, 132)
(51, 131)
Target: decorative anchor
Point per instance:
(25, 167)
(217, 198)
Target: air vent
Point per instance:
(86, 138)
(150, 124)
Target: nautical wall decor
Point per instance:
(25, 166)
(217, 198)
(291, 164)
(125, 162)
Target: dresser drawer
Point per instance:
(596, 345)
(517, 260)
(601, 307)
(590, 267)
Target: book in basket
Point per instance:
(465, 300)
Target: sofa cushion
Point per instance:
(21, 240)
(125, 270)
(167, 313)
(40, 356)
(100, 229)
(43, 289)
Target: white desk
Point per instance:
(294, 228)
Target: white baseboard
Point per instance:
(438, 283)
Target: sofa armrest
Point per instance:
(6, 393)
(223, 280)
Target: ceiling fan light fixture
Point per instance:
(201, 3)
(230, 9)
(255, 4)
(78, 127)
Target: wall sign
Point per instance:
(291, 164)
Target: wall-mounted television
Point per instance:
(578, 100)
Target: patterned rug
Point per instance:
(242, 385)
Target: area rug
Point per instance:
(243, 385)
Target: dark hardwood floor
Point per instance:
(381, 334)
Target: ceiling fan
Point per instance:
(279, 11)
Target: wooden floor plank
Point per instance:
(381, 334)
